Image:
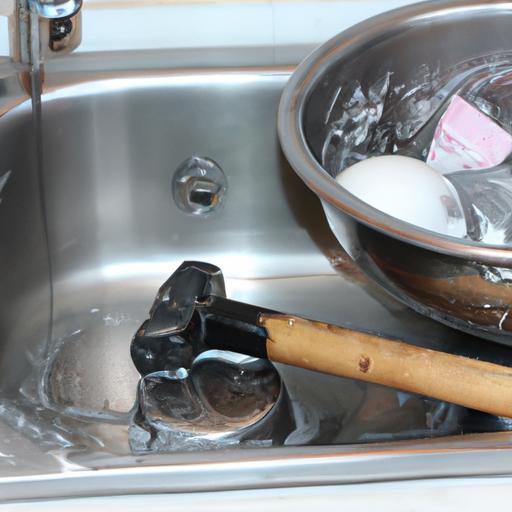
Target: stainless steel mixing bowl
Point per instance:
(460, 283)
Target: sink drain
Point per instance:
(199, 186)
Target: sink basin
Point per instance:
(91, 229)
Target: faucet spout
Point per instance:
(59, 27)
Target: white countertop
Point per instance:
(443, 495)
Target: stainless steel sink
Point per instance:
(89, 233)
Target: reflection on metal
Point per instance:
(3, 181)
(101, 83)
(57, 9)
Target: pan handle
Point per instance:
(343, 352)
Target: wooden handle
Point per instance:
(316, 346)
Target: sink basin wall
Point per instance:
(111, 143)
(24, 277)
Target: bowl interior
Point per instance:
(421, 59)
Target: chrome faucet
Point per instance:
(56, 22)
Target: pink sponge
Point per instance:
(465, 138)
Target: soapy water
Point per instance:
(388, 118)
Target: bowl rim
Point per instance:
(295, 147)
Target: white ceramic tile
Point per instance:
(178, 26)
(317, 21)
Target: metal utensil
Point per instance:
(192, 313)
(486, 199)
